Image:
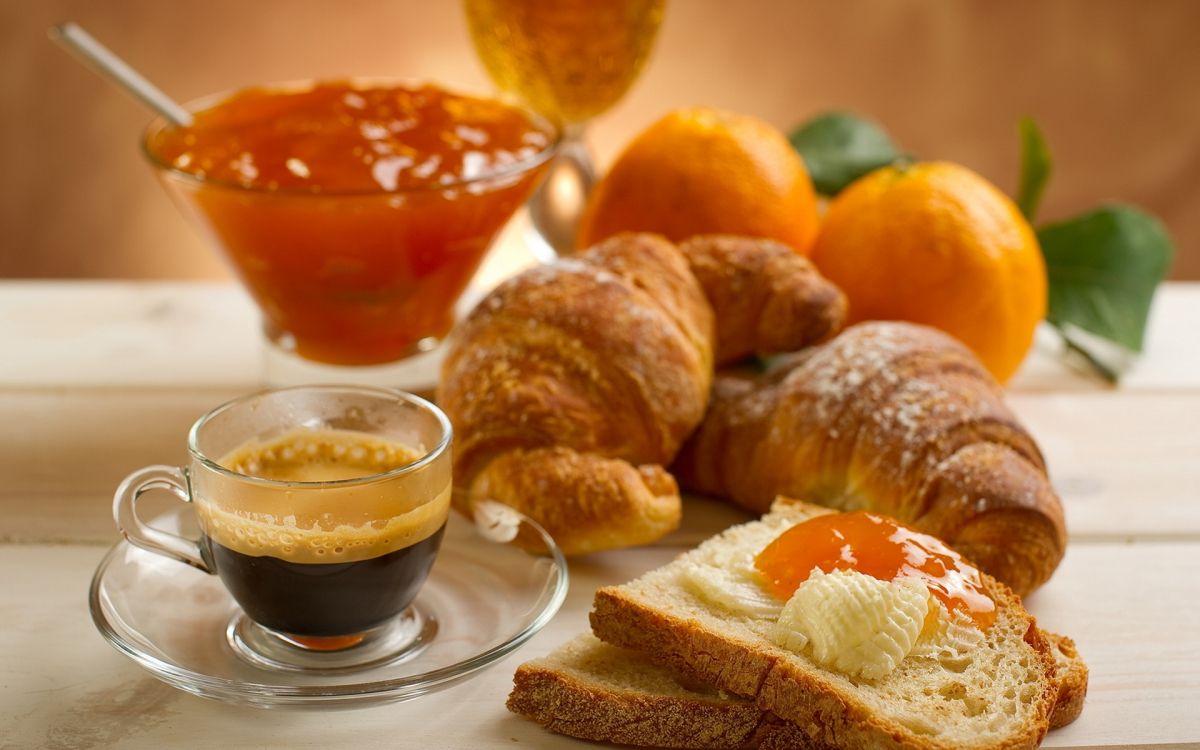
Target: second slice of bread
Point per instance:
(593, 690)
(1001, 696)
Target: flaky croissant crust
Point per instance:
(892, 417)
(571, 385)
(604, 356)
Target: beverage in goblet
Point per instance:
(355, 212)
(570, 60)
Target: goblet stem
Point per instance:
(557, 205)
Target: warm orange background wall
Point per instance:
(1115, 85)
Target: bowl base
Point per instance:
(417, 372)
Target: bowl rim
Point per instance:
(159, 123)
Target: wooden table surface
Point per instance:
(99, 378)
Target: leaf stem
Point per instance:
(1103, 370)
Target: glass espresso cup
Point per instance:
(321, 508)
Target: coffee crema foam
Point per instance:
(241, 517)
(319, 456)
(287, 540)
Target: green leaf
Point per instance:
(1103, 268)
(840, 147)
(1036, 166)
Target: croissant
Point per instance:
(572, 385)
(892, 417)
(766, 298)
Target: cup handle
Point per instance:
(139, 534)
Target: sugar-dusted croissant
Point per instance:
(572, 385)
(892, 417)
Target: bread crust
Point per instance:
(595, 691)
(755, 669)
(1071, 676)
(567, 705)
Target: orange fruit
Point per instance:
(935, 243)
(702, 171)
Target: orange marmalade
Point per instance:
(877, 546)
(355, 215)
(336, 137)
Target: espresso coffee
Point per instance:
(326, 560)
(325, 599)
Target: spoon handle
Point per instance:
(85, 46)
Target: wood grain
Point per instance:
(102, 378)
(1124, 466)
(1139, 633)
(185, 334)
(74, 447)
(1120, 462)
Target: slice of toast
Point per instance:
(595, 691)
(1000, 696)
(1071, 676)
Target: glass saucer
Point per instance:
(486, 597)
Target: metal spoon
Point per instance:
(84, 46)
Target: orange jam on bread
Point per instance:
(877, 546)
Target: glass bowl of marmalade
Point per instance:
(354, 212)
